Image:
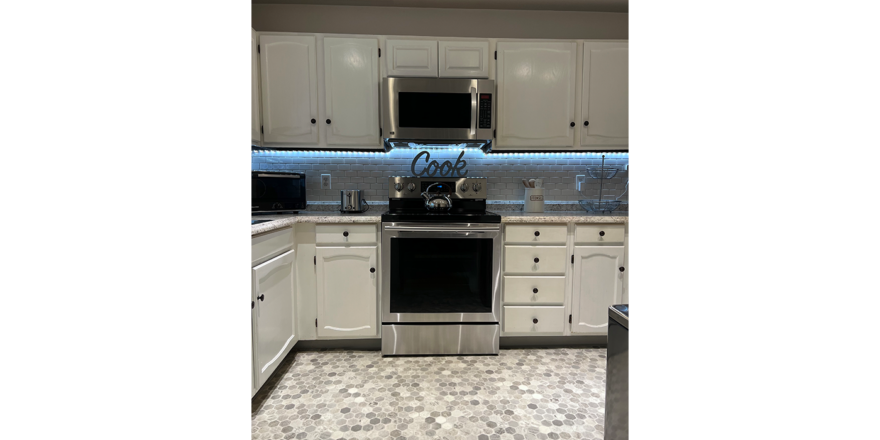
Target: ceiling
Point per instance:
(533, 5)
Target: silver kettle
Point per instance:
(436, 202)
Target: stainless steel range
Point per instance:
(441, 268)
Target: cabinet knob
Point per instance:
(345, 234)
(373, 269)
(535, 290)
(261, 297)
(571, 125)
(535, 321)
(313, 120)
(586, 123)
(328, 121)
(537, 233)
(536, 259)
(622, 269)
(601, 233)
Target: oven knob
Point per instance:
(398, 186)
(477, 187)
(411, 187)
(463, 187)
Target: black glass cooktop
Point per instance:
(445, 217)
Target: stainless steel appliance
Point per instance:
(438, 109)
(617, 374)
(275, 191)
(441, 270)
(352, 201)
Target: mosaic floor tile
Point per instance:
(519, 394)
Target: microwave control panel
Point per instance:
(485, 110)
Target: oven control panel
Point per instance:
(455, 188)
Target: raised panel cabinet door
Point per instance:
(289, 74)
(275, 327)
(412, 58)
(536, 94)
(348, 280)
(605, 100)
(351, 90)
(597, 285)
(255, 90)
(464, 59)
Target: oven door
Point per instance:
(438, 109)
(441, 272)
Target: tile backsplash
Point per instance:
(369, 171)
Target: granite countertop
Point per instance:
(281, 220)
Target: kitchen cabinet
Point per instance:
(605, 94)
(597, 284)
(255, 91)
(463, 59)
(536, 94)
(347, 290)
(412, 58)
(351, 91)
(272, 314)
(289, 84)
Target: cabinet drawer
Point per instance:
(522, 319)
(534, 289)
(598, 233)
(522, 259)
(271, 244)
(536, 234)
(345, 234)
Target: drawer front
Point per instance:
(598, 234)
(534, 290)
(521, 259)
(345, 234)
(271, 244)
(522, 319)
(536, 234)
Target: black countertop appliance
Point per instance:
(617, 374)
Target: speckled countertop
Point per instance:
(282, 220)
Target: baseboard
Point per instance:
(506, 342)
(339, 344)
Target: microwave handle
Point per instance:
(473, 111)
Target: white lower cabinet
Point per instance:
(598, 283)
(272, 313)
(534, 319)
(347, 290)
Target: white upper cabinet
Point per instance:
(348, 288)
(605, 100)
(598, 284)
(288, 68)
(464, 59)
(536, 94)
(412, 58)
(351, 91)
(274, 324)
(255, 90)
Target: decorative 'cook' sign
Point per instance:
(446, 169)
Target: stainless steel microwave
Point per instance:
(438, 109)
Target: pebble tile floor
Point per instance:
(519, 394)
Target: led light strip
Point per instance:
(409, 152)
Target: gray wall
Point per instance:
(484, 23)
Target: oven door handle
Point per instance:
(473, 111)
(439, 232)
(435, 229)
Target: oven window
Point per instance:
(441, 275)
(276, 188)
(434, 110)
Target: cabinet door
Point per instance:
(464, 59)
(288, 69)
(351, 89)
(255, 90)
(412, 58)
(597, 285)
(347, 291)
(536, 94)
(274, 333)
(605, 100)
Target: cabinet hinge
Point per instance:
(315, 259)
(572, 258)
(380, 52)
(380, 131)
(258, 48)
(493, 133)
(316, 322)
(261, 129)
(569, 319)
(496, 54)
